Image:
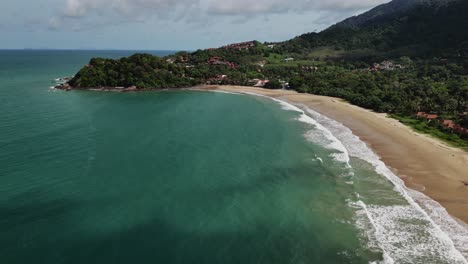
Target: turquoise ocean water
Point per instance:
(193, 177)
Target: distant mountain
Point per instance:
(393, 9)
(401, 27)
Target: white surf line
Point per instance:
(214, 91)
(400, 187)
(334, 142)
(457, 235)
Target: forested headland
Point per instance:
(401, 58)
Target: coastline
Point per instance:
(425, 164)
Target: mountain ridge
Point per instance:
(406, 58)
(394, 7)
(422, 28)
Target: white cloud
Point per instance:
(243, 7)
(54, 23)
(84, 13)
(81, 8)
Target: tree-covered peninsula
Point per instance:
(404, 57)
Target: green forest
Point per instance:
(398, 62)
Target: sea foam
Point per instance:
(420, 232)
(440, 234)
(326, 138)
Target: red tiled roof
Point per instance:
(447, 122)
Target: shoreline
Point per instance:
(425, 164)
(67, 87)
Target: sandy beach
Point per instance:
(424, 163)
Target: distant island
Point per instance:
(408, 58)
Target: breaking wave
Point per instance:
(417, 231)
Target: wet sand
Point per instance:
(424, 163)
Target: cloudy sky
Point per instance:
(164, 24)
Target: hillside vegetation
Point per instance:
(404, 57)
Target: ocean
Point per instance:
(194, 177)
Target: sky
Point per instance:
(164, 24)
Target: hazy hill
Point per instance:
(402, 27)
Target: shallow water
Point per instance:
(188, 177)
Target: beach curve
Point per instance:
(377, 131)
(425, 164)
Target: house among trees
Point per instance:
(216, 80)
(259, 82)
(424, 115)
(261, 63)
(220, 61)
(460, 130)
(445, 123)
(240, 46)
(448, 123)
(385, 66)
(309, 68)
